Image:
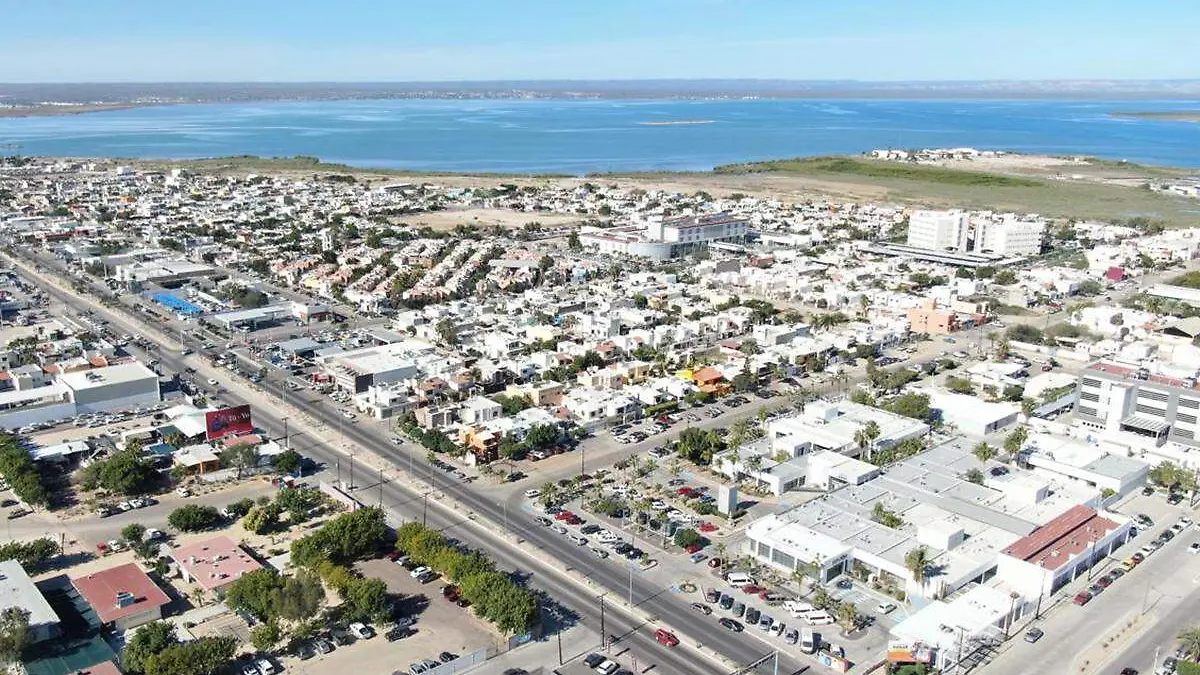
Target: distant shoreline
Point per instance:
(69, 109)
(1182, 116)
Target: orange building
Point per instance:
(929, 319)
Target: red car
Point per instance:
(693, 548)
(1083, 598)
(564, 515)
(395, 555)
(753, 589)
(1104, 582)
(714, 562)
(707, 527)
(684, 491)
(665, 637)
(574, 520)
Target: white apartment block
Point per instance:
(959, 231)
(938, 230)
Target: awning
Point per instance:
(1149, 424)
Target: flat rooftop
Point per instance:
(18, 590)
(133, 371)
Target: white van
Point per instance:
(818, 618)
(797, 608)
(807, 644)
(739, 579)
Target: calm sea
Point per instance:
(609, 135)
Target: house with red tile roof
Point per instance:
(123, 597)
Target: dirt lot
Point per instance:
(441, 626)
(446, 220)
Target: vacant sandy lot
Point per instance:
(446, 220)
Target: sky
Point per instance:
(420, 40)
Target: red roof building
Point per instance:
(102, 668)
(123, 597)
(1059, 551)
(214, 563)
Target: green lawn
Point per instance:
(882, 169)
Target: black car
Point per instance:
(592, 660)
(752, 615)
(731, 625)
(623, 548)
(8, 502)
(447, 657)
(590, 528)
(726, 601)
(1147, 491)
(398, 633)
(341, 637)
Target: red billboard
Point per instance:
(228, 422)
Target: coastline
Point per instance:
(71, 109)
(1182, 116)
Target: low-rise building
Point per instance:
(123, 597)
(18, 590)
(214, 563)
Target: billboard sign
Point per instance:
(233, 421)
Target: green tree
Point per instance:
(240, 457)
(847, 615)
(1015, 440)
(203, 656)
(917, 561)
(687, 537)
(960, 385)
(287, 462)
(300, 597)
(149, 639)
(975, 476)
(915, 406)
(194, 518)
(573, 242)
(133, 532)
(29, 554)
(1005, 277)
(265, 636)
(1189, 642)
(14, 633)
(254, 592)
(239, 508)
(984, 452)
(368, 600)
(125, 472)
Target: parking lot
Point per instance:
(440, 625)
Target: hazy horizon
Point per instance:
(536, 40)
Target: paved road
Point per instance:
(509, 549)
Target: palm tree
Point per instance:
(1189, 641)
(675, 467)
(1028, 405)
(917, 562)
(719, 549)
(983, 452)
(865, 437)
(847, 615)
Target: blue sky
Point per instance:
(410, 40)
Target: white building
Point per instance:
(938, 230)
(1007, 235)
(661, 239)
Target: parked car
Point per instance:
(731, 625)
(1033, 635)
(1082, 598)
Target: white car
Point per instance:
(533, 493)
(153, 534)
(212, 382)
(885, 608)
(419, 571)
(362, 631)
(265, 667)
(660, 505)
(1194, 548)
(607, 667)
(604, 536)
(249, 669)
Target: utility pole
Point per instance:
(631, 585)
(381, 487)
(425, 509)
(603, 635)
(560, 656)
(287, 441)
